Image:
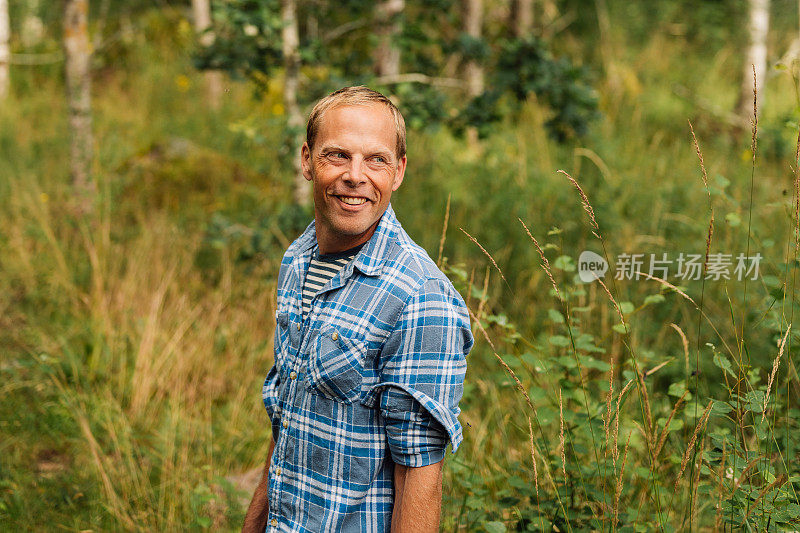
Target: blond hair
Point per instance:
(357, 95)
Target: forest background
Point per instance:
(148, 188)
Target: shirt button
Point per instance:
(298, 325)
(273, 522)
(293, 374)
(277, 471)
(285, 423)
(335, 336)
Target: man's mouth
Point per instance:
(351, 200)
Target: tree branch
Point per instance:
(415, 77)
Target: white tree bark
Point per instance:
(756, 57)
(32, 31)
(202, 21)
(521, 20)
(77, 55)
(5, 50)
(291, 64)
(473, 22)
(387, 53)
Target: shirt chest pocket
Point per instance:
(336, 366)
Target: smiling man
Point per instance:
(370, 344)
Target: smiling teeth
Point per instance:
(352, 201)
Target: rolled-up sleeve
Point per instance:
(422, 377)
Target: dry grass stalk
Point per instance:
(797, 197)
(116, 503)
(468, 296)
(561, 437)
(720, 489)
(484, 294)
(745, 472)
(696, 481)
(485, 253)
(754, 140)
(615, 435)
(444, 231)
(671, 286)
(586, 205)
(779, 482)
(618, 490)
(709, 238)
(648, 415)
(533, 460)
(710, 233)
(613, 301)
(503, 363)
(664, 432)
(690, 447)
(685, 342)
(545, 262)
(609, 396)
(775, 366)
(700, 157)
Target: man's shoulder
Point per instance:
(408, 263)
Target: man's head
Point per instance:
(355, 157)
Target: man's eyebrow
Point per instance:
(331, 148)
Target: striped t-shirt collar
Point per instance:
(369, 261)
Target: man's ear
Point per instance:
(305, 161)
(401, 171)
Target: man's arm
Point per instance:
(256, 518)
(417, 498)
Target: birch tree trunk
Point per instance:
(521, 18)
(77, 54)
(291, 64)
(473, 21)
(387, 53)
(756, 57)
(213, 79)
(32, 31)
(5, 50)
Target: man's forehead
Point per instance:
(334, 128)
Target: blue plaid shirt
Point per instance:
(371, 377)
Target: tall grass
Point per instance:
(133, 344)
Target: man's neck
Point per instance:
(332, 243)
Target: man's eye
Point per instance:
(379, 159)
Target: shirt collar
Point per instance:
(372, 256)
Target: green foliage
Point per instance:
(247, 43)
(525, 67)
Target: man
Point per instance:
(370, 344)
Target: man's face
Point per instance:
(354, 170)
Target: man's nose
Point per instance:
(355, 172)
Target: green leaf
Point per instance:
(555, 316)
(559, 340)
(565, 263)
(676, 389)
(733, 219)
(720, 408)
(654, 299)
(620, 328)
(626, 308)
(495, 527)
(722, 362)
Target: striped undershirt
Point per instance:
(323, 268)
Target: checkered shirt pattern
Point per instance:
(371, 377)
